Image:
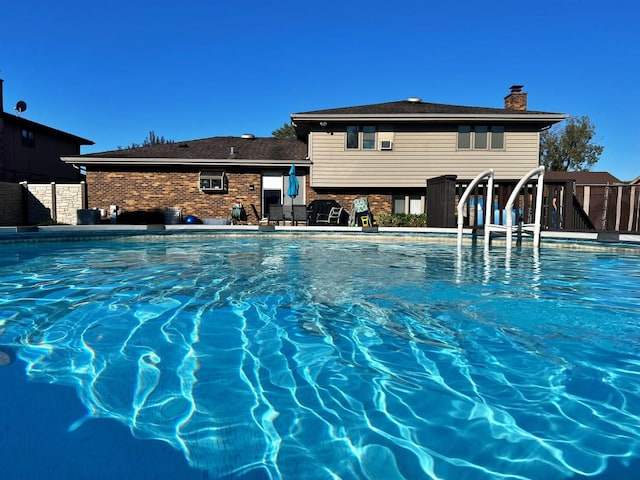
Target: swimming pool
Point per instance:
(290, 357)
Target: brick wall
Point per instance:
(155, 191)
(380, 202)
(149, 191)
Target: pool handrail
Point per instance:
(534, 227)
(490, 173)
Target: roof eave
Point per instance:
(445, 117)
(30, 123)
(194, 162)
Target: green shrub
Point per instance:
(402, 220)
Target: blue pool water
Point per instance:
(279, 357)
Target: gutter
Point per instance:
(515, 117)
(204, 162)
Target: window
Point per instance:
(369, 138)
(497, 138)
(480, 137)
(398, 204)
(28, 138)
(411, 202)
(361, 137)
(213, 181)
(464, 137)
(352, 137)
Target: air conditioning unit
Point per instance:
(386, 145)
(214, 181)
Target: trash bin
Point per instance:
(173, 216)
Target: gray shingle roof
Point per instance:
(217, 148)
(406, 107)
(583, 178)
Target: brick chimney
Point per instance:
(517, 99)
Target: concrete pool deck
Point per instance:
(36, 233)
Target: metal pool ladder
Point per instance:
(508, 228)
(488, 202)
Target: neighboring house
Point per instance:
(384, 152)
(31, 152)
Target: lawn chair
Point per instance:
(360, 213)
(332, 218)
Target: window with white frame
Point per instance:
(480, 137)
(213, 181)
(361, 137)
(410, 204)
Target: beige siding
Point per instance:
(416, 156)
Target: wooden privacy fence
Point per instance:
(566, 205)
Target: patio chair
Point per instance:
(299, 214)
(255, 213)
(332, 218)
(276, 214)
(360, 213)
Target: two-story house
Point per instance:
(31, 152)
(384, 152)
(387, 151)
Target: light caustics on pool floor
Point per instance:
(317, 359)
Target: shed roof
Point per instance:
(583, 178)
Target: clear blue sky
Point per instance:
(113, 71)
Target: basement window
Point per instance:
(213, 181)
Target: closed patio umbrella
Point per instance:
(294, 186)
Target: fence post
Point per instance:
(25, 202)
(632, 209)
(604, 207)
(83, 194)
(567, 213)
(54, 203)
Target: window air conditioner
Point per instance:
(386, 145)
(213, 181)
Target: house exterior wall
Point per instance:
(150, 190)
(38, 163)
(416, 156)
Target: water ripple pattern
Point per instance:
(281, 358)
